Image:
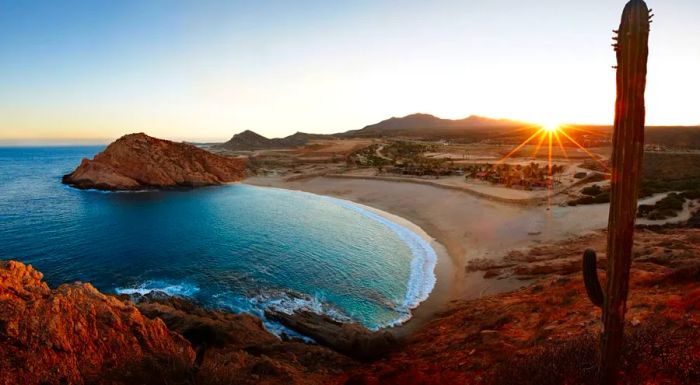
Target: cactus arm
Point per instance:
(590, 278)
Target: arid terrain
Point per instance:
(506, 161)
(509, 220)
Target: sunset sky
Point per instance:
(90, 71)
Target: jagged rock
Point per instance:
(138, 161)
(74, 334)
(237, 349)
(350, 339)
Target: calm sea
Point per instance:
(235, 247)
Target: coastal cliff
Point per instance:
(74, 334)
(138, 161)
(544, 333)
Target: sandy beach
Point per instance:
(464, 227)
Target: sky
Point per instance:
(91, 71)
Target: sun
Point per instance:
(551, 126)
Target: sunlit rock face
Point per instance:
(74, 334)
(138, 161)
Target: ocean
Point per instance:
(236, 247)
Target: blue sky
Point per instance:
(204, 70)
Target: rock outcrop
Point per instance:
(237, 349)
(138, 161)
(74, 334)
(351, 339)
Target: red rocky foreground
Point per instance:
(545, 333)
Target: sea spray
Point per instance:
(172, 289)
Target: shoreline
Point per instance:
(452, 280)
(442, 268)
(464, 229)
(443, 272)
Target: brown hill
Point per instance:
(139, 161)
(249, 140)
(432, 127)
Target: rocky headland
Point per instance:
(138, 161)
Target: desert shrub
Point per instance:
(589, 199)
(572, 361)
(694, 221)
(691, 194)
(592, 190)
(672, 201)
(667, 207)
(655, 352)
(603, 197)
(644, 210)
(660, 214)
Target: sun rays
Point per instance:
(553, 135)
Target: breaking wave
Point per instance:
(175, 290)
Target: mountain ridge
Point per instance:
(415, 125)
(427, 126)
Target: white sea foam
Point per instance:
(420, 284)
(422, 273)
(284, 301)
(176, 290)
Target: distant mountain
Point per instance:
(426, 125)
(472, 128)
(249, 140)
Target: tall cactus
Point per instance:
(628, 149)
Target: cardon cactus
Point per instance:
(628, 148)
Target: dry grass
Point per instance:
(655, 351)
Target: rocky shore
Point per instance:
(545, 333)
(138, 161)
(75, 334)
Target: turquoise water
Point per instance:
(235, 247)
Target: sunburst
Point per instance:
(550, 132)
